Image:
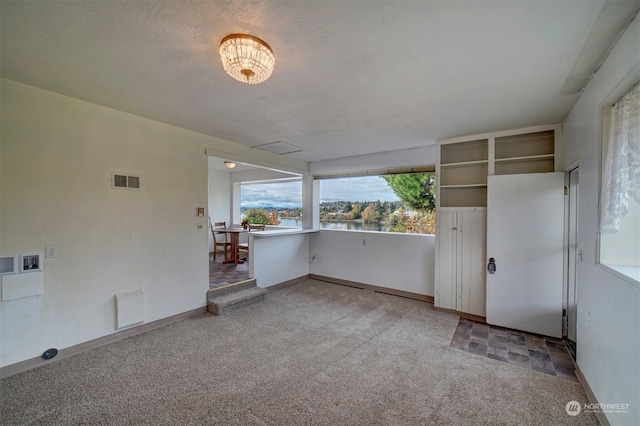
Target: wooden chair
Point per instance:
(244, 247)
(224, 240)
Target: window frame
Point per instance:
(363, 173)
(267, 182)
(605, 126)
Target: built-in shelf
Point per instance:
(468, 174)
(464, 164)
(471, 185)
(464, 196)
(525, 145)
(464, 152)
(525, 159)
(525, 166)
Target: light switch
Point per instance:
(200, 211)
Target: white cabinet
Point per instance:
(462, 168)
(460, 258)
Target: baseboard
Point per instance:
(287, 283)
(462, 314)
(386, 290)
(28, 364)
(602, 418)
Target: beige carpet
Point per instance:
(313, 353)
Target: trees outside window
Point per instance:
(392, 203)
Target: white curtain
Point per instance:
(621, 165)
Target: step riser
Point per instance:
(216, 292)
(218, 310)
(229, 298)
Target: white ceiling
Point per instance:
(351, 77)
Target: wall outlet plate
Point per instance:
(51, 251)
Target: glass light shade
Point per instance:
(246, 58)
(230, 164)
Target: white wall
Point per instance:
(397, 261)
(608, 324)
(277, 259)
(57, 157)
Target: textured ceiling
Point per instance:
(351, 77)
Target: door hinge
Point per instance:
(564, 312)
(566, 191)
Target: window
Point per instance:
(620, 188)
(385, 203)
(272, 203)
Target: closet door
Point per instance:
(525, 233)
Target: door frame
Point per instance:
(569, 252)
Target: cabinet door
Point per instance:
(446, 260)
(471, 283)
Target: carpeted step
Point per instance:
(231, 288)
(226, 303)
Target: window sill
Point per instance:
(375, 232)
(630, 274)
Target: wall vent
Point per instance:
(122, 181)
(129, 308)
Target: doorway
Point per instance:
(574, 257)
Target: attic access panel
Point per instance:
(280, 147)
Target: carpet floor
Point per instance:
(311, 354)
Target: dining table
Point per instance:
(234, 236)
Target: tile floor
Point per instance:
(545, 354)
(226, 273)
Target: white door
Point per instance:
(525, 232)
(573, 257)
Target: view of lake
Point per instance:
(346, 225)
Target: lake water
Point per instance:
(349, 226)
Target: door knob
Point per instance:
(492, 266)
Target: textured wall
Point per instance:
(277, 259)
(58, 154)
(608, 340)
(398, 261)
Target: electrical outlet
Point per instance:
(51, 251)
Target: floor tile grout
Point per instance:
(540, 353)
(226, 273)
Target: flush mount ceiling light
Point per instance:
(246, 58)
(229, 164)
